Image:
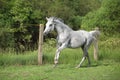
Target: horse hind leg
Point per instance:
(83, 59)
(79, 65)
(85, 55)
(88, 60)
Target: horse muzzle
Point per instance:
(45, 33)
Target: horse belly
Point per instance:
(76, 43)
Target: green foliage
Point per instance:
(106, 17)
(6, 35)
(59, 9)
(24, 27)
(19, 19)
(111, 43)
(21, 10)
(76, 22)
(6, 40)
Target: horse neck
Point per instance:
(62, 28)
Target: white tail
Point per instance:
(95, 34)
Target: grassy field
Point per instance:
(24, 66)
(62, 72)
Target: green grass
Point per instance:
(24, 66)
(62, 72)
(108, 50)
(67, 56)
(20, 59)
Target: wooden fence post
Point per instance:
(96, 53)
(40, 54)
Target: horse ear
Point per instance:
(46, 18)
(54, 18)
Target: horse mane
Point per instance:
(55, 18)
(62, 22)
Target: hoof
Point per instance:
(77, 67)
(55, 65)
(56, 62)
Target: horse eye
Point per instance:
(50, 24)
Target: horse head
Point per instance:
(49, 25)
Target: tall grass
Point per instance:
(110, 49)
(108, 52)
(20, 59)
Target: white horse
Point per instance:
(68, 38)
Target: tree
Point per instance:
(18, 19)
(27, 16)
(6, 35)
(107, 17)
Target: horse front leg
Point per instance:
(58, 53)
(56, 57)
